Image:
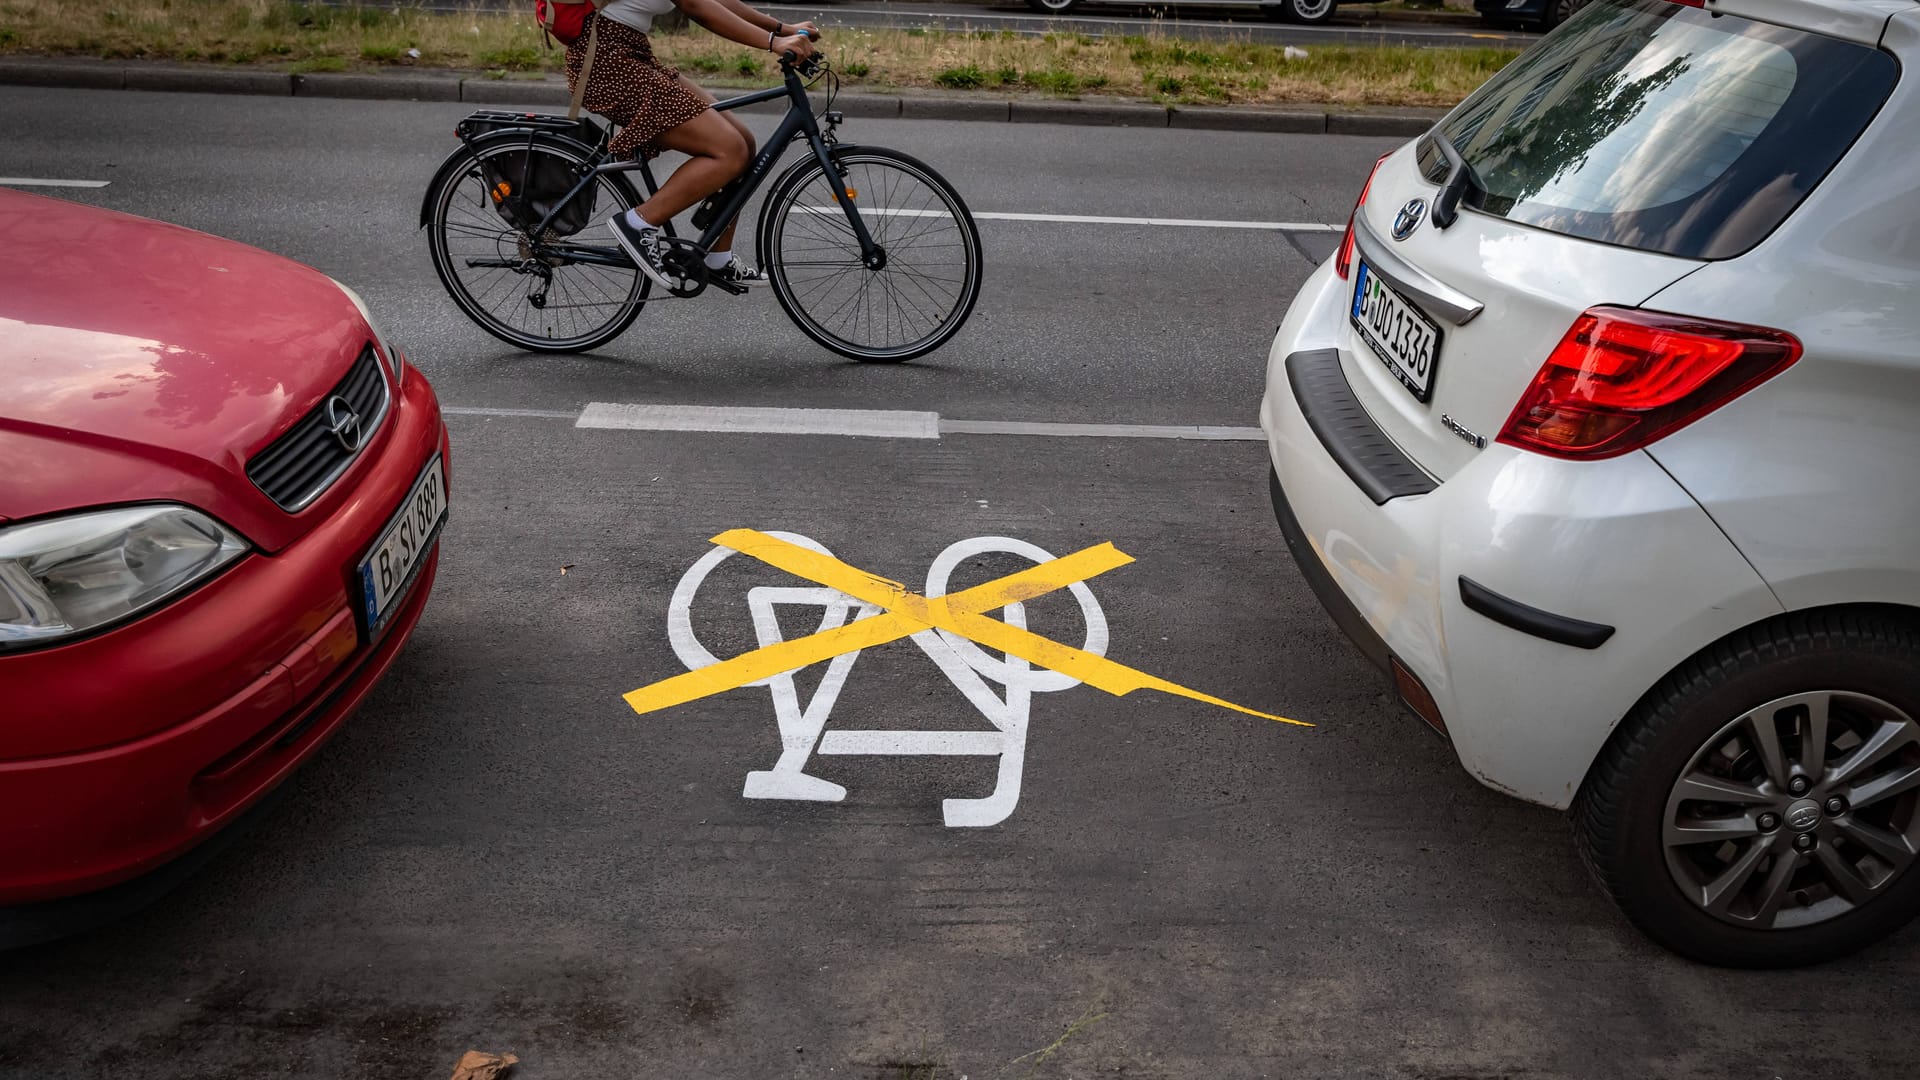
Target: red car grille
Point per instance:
(307, 459)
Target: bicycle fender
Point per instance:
(517, 136)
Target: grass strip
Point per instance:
(291, 35)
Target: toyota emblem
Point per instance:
(1803, 816)
(344, 423)
(1409, 218)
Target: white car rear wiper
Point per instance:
(1460, 176)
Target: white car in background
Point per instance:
(1601, 434)
(1310, 12)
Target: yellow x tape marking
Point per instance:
(908, 613)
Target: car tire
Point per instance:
(1053, 7)
(1702, 729)
(1305, 12)
(1559, 11)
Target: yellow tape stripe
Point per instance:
(909, 613)
(862, 633)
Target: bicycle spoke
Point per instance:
(580, 300)
(922, 291)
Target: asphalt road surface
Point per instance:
(497, 853)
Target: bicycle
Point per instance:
(881, 265)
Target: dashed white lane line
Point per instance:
(35, 181)
(1101, 219)
(1102, 431)
(879, 423)
(868, 423)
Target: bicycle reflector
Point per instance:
(1622, 378)
(1343, 259)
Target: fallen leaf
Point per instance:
(475, 1065)
(564, 569)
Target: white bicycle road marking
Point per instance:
(969, 667)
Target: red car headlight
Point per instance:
(77, 573)
(395, 361)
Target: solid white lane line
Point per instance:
(475, 410)
(34, 181)
(1102, 431)
(880, 423)
(1098, 219)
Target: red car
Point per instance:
(221, 491)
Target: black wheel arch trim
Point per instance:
(1511, 613)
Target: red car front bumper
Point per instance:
(234, 686)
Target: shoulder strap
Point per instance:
(586, 67)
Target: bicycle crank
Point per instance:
(688, 264)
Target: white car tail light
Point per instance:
(1343, 259)
(1622, 378)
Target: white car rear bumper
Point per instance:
(1613, 543)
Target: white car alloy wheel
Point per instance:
(1761, 808)
(1792, 814)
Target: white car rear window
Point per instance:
(1659, 127)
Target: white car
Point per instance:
(1601, 434)
(1311, 12)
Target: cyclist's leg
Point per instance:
(716, 153)
(725, 242)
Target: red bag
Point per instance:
(566, 20)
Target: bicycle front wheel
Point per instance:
(524, 290)
(928, 284)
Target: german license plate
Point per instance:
(389, 569)
(1399, 333)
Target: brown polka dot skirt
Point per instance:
(632, 89)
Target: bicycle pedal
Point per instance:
(727, 286)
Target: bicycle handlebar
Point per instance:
(808, 68)
(789, 58)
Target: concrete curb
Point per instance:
(381, 87)
(456, 86)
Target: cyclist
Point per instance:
(658, 109)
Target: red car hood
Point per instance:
(144, 361)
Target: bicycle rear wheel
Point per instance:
(539, 302)
(931, 278)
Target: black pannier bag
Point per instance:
(525, 185)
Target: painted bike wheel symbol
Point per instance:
(967, 665)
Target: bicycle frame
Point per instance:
(798, 123)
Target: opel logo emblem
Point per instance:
(344, 423)
(1409, 218)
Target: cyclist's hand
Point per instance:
(799, 46)
(808, 29)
